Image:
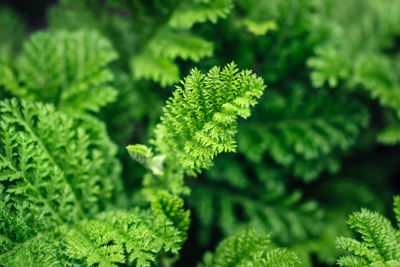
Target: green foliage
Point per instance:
(287, 216)
(305, 132)
(250, 248)
(309, 155)
(286, 137)
(157, 61)
(164, 37)
(171, 40)
(390, 135)
(200, 120)
(142, 235)
(56, 176)
(67, 69)
(41, 146)
(380, 245)
(350, 58)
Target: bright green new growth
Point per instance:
(249, 248)
(380, 245)
(144, 155)
(68, 69)
(55, 177)
(200, 119)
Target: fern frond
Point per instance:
(305, 131)
(41, 146)
(172, 45)
(286, 216)
(135, 237)
(172, 40)
(68, 69)
(198, 11)
(200, 119)
(159, 69)
(144, 155)
(380, 245)
(156, 62)
(142, 235)
(249, 248)
(52, 172)
(390, 135)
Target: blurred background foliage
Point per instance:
(322, 143)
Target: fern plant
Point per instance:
(248, 247)
(200, 120)
(152, 39)
(380, 245)
(55, 181)
(70, 223)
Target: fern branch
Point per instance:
(305, 132)
(23, 174)
(168, 40)
(380, 245)
(250, 248)
(36, 137)
(200, 120)
(161, 25)
(285, 216)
